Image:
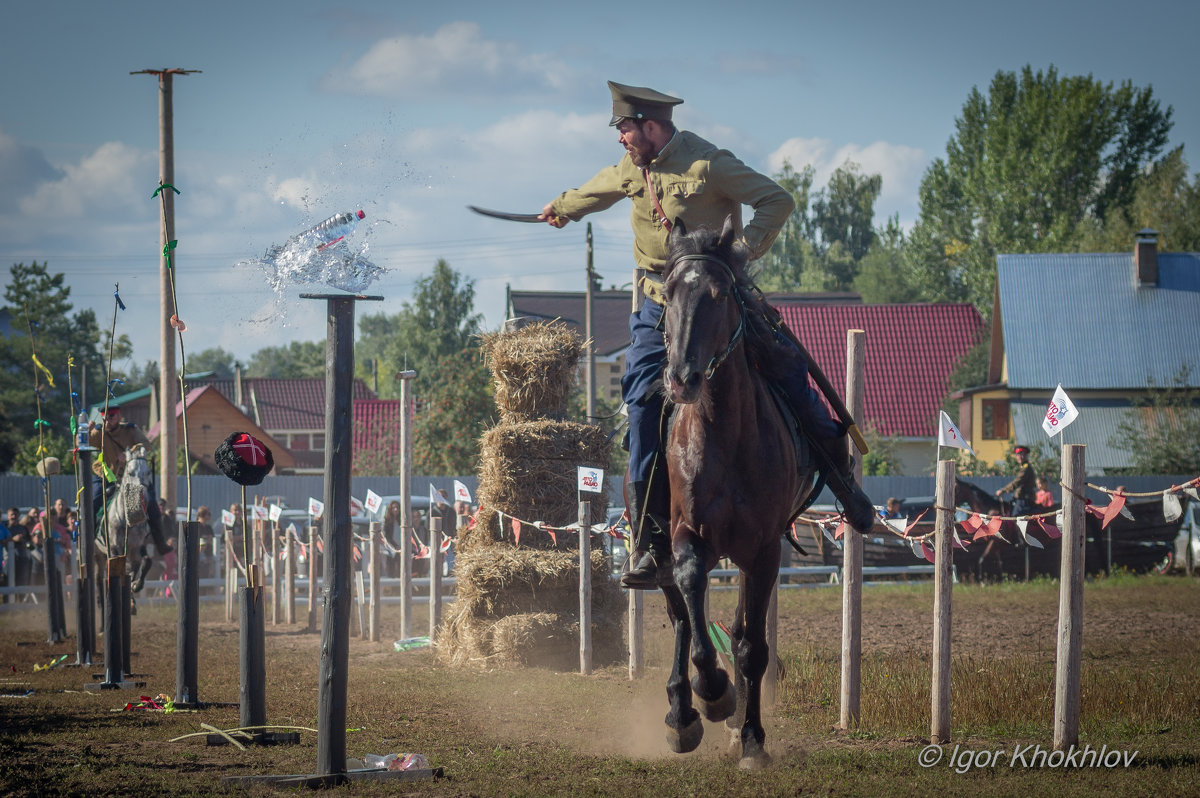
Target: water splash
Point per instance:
(297, 262)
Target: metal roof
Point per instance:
(1080, 320)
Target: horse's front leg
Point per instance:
(715, 696)
(752, 657)
(684, 729)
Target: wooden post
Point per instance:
(126, 607)
(406, 519)
(114, 673)
(85, 592)
(252, 686)
(313, 531)
(335, 628)
(943, 582)
(230, 578)
(637, 655)
(376, 530)
(1068, 661)
(853, 548)
(585, 589)
(187, 634)
(289, 575)
(275, 575)
(435, 572)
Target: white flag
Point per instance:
(315, 508)
(591, 480)
(461, 494)
(259, 512)
(374, 501)
(435, 498)
(1060, 413)
(356, 507)
(948, 435)
(228, 518)
(276, 512)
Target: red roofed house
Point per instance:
(211, 418)
(910, 352)
(376, 436)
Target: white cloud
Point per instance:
(456, 57)
(107, 183)
(900, 166)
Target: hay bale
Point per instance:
(551, 640)
(533, 369)
(500, 580)
(528, 471)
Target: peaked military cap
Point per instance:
(637, 102)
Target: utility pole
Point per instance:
(168, 390)
(591, 341)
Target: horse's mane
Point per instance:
(765, 353)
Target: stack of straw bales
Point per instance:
(519, 605)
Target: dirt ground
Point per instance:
(539, 732)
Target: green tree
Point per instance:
(881, 459)
(44, 324)
(1162, 432)
(438, 321)
(881, 278)
(292, 361)
(844, 212)
(1028, 166)
(782, 267)
(1165, 200)
(456, 406)
(214, 359)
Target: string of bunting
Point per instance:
(517, 524)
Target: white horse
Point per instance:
(126, 528)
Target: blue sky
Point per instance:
(411, 111)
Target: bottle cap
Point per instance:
(360, 214)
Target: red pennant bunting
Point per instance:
(553, 536)
(1113, 510)
(928, 552)
(516, 527)
(916, 521)
(972, 522)
(357, 554)
(841, 529)
(994, 524)
(1050, 529)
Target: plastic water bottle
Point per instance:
(333, 229)
(81, 430)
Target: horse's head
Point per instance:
(703, 315)
(137, 467)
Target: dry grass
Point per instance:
(530, 731)
(533, 369)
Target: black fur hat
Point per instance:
(244, 459)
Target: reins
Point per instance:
(715, 362)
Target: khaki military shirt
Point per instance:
(695, 181)
(115, 444)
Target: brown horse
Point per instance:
(736, 480)
(984, 503)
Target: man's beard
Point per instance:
(642, 154)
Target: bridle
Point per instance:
(716, 360)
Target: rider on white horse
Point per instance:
(113, 441)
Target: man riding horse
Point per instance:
(113, 440)
(669, 174)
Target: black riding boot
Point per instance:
(856, 506)
(650, 539)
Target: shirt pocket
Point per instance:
(681, 196)
(633, 188)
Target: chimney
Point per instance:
(1145, 257)
(237, 388)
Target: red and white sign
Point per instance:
(1060, 413)
(374, 501)
(315, 508)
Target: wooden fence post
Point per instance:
(852, 552)
(435, 572)
(376, 530)
(289, 575)
(585, 589)
(1068, 660)
(943, 582)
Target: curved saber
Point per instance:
(509, 217)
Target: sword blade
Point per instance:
(510, 217)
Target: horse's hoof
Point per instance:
(687, 739)
(722, 708)
(755, 761)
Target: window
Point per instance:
(318, 441)
(995, 419)
(298, 441)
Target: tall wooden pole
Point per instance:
(1069, 660)
(168, 390)
(585, 589)
(406, 520)
(590, 331)
(852, 553)
(335, 629)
